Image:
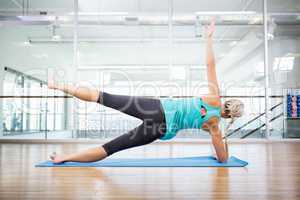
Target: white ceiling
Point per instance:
(109, 44)
(179, 6)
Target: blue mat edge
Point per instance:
(95, 164)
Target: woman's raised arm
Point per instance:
(210, 60)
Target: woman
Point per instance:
(162, 119)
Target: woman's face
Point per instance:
(225, 112)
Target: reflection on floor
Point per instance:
(273, 173)
(38, 135)
(104, 134)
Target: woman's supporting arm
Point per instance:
(220, 147)
(81, 92)
(210, 61)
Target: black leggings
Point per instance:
(149, 110)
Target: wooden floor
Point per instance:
(273, 173)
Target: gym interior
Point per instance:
(153, 49)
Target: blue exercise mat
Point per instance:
(205, 161)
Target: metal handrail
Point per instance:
(35, 96)
(23, 74)
(261, 126)
(67, 96)
(228, 135)
(250, 121)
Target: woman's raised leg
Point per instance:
(139, 107)
(81, 92)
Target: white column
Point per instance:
(1, 100)
(266, 66)
(170, 36)
(72, 104)
(75, 36)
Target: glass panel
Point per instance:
(126, 49)
(122, 50)
(36, 37)
(284, 48)
(239, 52)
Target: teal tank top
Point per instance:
(185, 113)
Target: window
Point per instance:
(25, 115)
(283, 63)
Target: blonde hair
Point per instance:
(234, 108)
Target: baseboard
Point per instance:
(174, 141)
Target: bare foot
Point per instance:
(56, 158)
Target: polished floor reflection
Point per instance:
(273, 173)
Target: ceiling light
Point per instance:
(186, 18)
(65, 18)
(284, 63)
(100, 13)
(256, 20)
(296, 55)
(225, 13)
(270, 36)
(26, 44)
(123, 67)
(37, 18)
(233, 43)
(198, 66)
(56, 37)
